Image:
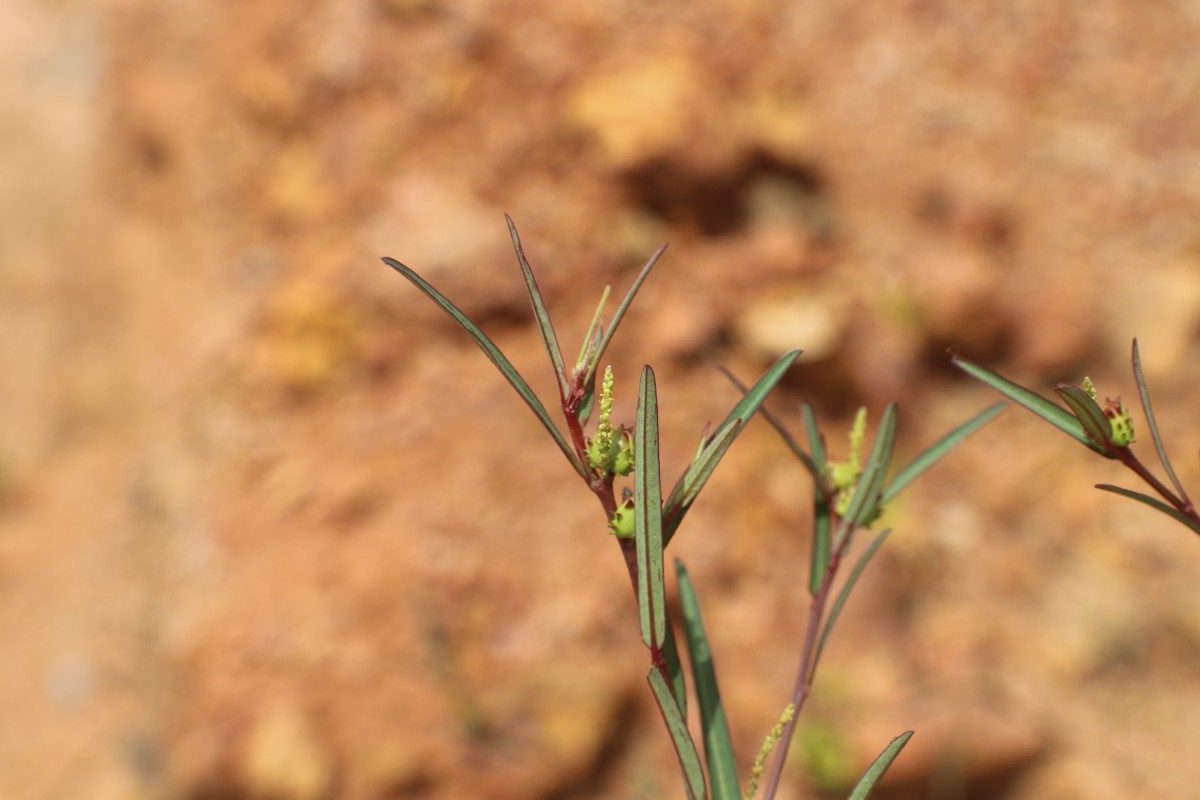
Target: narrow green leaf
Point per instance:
(754, 398)
(718, 747)
(621, 309)
(844, 594)
(496, 357)
(1089, 414)
(540, 314)
(865, 500)
(742, 411)
(1055, 414)
(779, 427)
(594, 332)
(1144, 393)
(816, 446)
(879, 766)
(701, 469)
(822, 533)
(647, 504)
(675, 668)
(685, 748)
(1153, 502)
(934, 452)
(822, 515)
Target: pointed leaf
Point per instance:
(1144, 393)
(621, 309)
(496, 357)
(844, 594)
(594, 332)
(701, 469)
(754, 398)
(1089, 414)
(822, 532)
(647, 505)
(879, 767)
(1054, 414)
(718, 747)
(816, 446)
(935, 451)
(540, 314)
(685, 748)
(1153, 503)
(675, 669)
(742, 411)
(779, 427)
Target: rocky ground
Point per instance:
(272, 527)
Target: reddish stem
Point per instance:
(1184, 507)
(807, 671)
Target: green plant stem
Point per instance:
(1185, 507)
(804, 678)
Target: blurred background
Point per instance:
(272, 527)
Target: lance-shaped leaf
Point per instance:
(934, 452)
(866, 784)
(496, 357)
(822, 533)
(600, 349)
(780, 428)
(647, 505)
(718, 747)
(865, 501)
(685, 748)
(836, 609)
(1153, 503)
(675, 669)
(1089, 414)
(1144, 394)
(594, 332)
(816, 445)
(699, 471)
(540, 314)
(1053, 413)
(822, 514)
(721, 440)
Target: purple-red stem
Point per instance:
(804, 678)
(602, 487)
(1184, 507)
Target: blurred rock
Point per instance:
(807, 317)
(638, 111)
(283, 756)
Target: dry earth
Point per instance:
(271, 527)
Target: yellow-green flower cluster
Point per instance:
(843, 476)
(760, 760)
(610, 452)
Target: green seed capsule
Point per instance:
(622, 523)
(1121, 421)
